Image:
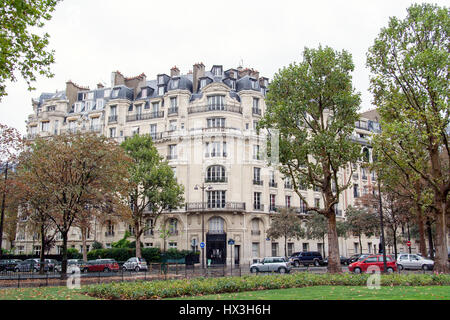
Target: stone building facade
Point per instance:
(204, 124)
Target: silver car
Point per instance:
(413, 261)
(271, 264)
(135, 264)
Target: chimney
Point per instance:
(254, 74)
(174, 72)
(72, 90)
(199, 71)
(117, 79)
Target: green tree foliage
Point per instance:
(22, 49)
(287, 225)
(153, 187)
(409, 63)
(69, 172)
(361, 221)
(314, 108)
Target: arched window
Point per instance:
(255, 227)
(216, 225)
(173, 226)
(216, 174)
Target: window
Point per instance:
(255, 103)
(173, 224)
(317, 202)
(233, 84)
(202, 83)
(305, 246)
(161, 79)
(215, 122)
(290, 248)
(215, 103)
(144, 93)
(37, 250)
(139, 109)
(20, 249)
(302, 206)
(173, 103)
(160, 91)
(89, 105)
(255, 124)
(153, 128)
(115, 93)
(172, 125)
(33, 130)
(172, 245)
(320, 247)
(369, 246)
(254, 84)
(256, 174)
(134, 131)
(90, 95)
(217, 71)
(355, 190)
(51, 108)
(216, 199)
(216, 174)
(45, 126)
(216, 149)
(356, 247)
(175, 83)
(256, 155)
(257, 201)
(255, 227)
(272, 198)
(255, 249)
(106, 93)
(112, 132)
(172, 151)
(113, 110)
(287, 200)
(216, 225)
(274, 249)
(100, 103)
(155, 107)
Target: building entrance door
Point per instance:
(237, 250)
(216, 247)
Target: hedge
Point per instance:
(142, 290)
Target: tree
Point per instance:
(314, 108)
(409, 64)
(69, 172)
(361, 221)
(153, 187)
(285, 224)
(316, 227)
(22, 49)
(11, 145)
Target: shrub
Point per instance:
(97, 245)
(202, 286)
(73, 253)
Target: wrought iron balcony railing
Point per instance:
(145, 116)
(215, 107)
(224, 206)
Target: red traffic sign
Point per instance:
(408, 243)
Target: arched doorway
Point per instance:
(216, 248)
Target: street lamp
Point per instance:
(203, 187)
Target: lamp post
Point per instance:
(203, 187)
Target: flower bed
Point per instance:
(201, 286)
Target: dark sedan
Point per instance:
(28, 265)
(344, 261)
(9, 264)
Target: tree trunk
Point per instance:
(441, 258)
(395, 243)
(64, 256)
(422, 245)
(41, 255)
(83, 243)
(285, 246)
(360, 243)
(430, 238)
(409, 237)
(323, 245)
(334, 261)
(138, 239)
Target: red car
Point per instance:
(105, 265)
(373, 261)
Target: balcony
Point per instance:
(258, 207)
(256, 232)
(172, 157)
(109, 234)
(145, 116)
(216, 180)
(257, 182)
(216, 155)
(218, 107)
(148, 233)
(288, 186)
(173, 110)
(112, 118)
(215, 206)
(256, 111)
(273, 184)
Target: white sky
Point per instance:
(92, 38)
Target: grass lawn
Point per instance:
(337, 293)
(43, 293)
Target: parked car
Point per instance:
(135, 264)
(30, 265)
(306, 258)
(344, 261)
(414, 261)
(73, 266)
(51, 263)
(105, 265)
(373, 260)
(9, 264)
(271, 264)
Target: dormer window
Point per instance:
(160, 79)
(144, 93)
(202, 83)
(106, 93)
(88, 105)
(175, 83)
(100, 103)
(233, 84)
(90, 95)
(217, 70)
(254, 86)
(77, 107)
(115, 93)
(160, 91)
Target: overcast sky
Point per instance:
(92, 38)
